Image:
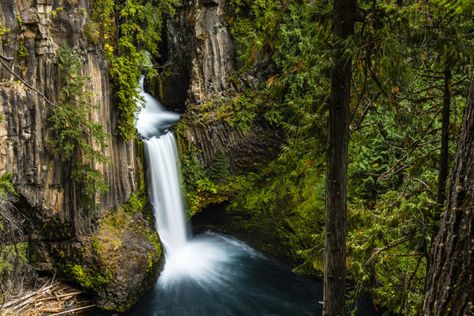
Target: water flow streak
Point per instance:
(164, 191)
(163, 175)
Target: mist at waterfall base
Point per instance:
(208, 274)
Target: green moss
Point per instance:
(55, 12)
(19, 20)
(3, 30)
(87, 278)
(136, 203)
(61, 254)
(6, 185)
(152, 236)
(22, 51)
(96, 245)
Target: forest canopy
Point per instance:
(411, 68)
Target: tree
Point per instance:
(450, 283)
(75, 138)
(444, 157)
(336, 182)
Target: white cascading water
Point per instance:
(185, 257)
(164, 191)
(163, 175)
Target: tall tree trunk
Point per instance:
(336, 185)
(444, 158)
(450, 280)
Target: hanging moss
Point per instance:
(22, 51)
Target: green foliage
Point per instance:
(387, 246)
(399, 52)
(125, 74)
(136, 203)
(192, 168)
(76, 139)
(220, 167)
(245, 108)
(6, 185)
(286, 200)
(139, 29)
(22, 51)
(86, 278)
(56, 12)
(203, 186)
(12, 258)
(240, 111)
(196, 180)
(14, 253)
(3, 30)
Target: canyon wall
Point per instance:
(58, 223)
(199, 75)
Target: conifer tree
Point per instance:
(336, 185)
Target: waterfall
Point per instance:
(163, 172)
(164, 191)
(185, 258)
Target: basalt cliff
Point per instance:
(63, 234)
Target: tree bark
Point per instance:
(450, 283)
(444, 158)
(336, 182)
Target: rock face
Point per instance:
(198, 55)
(244, 149)
(28, 91)
(199, 68)
(39, 179)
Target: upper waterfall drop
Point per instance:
(163, 172)
(153, 119)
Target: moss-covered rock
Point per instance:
(220, 142)
(118, 262)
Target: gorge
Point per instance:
(308, 143)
